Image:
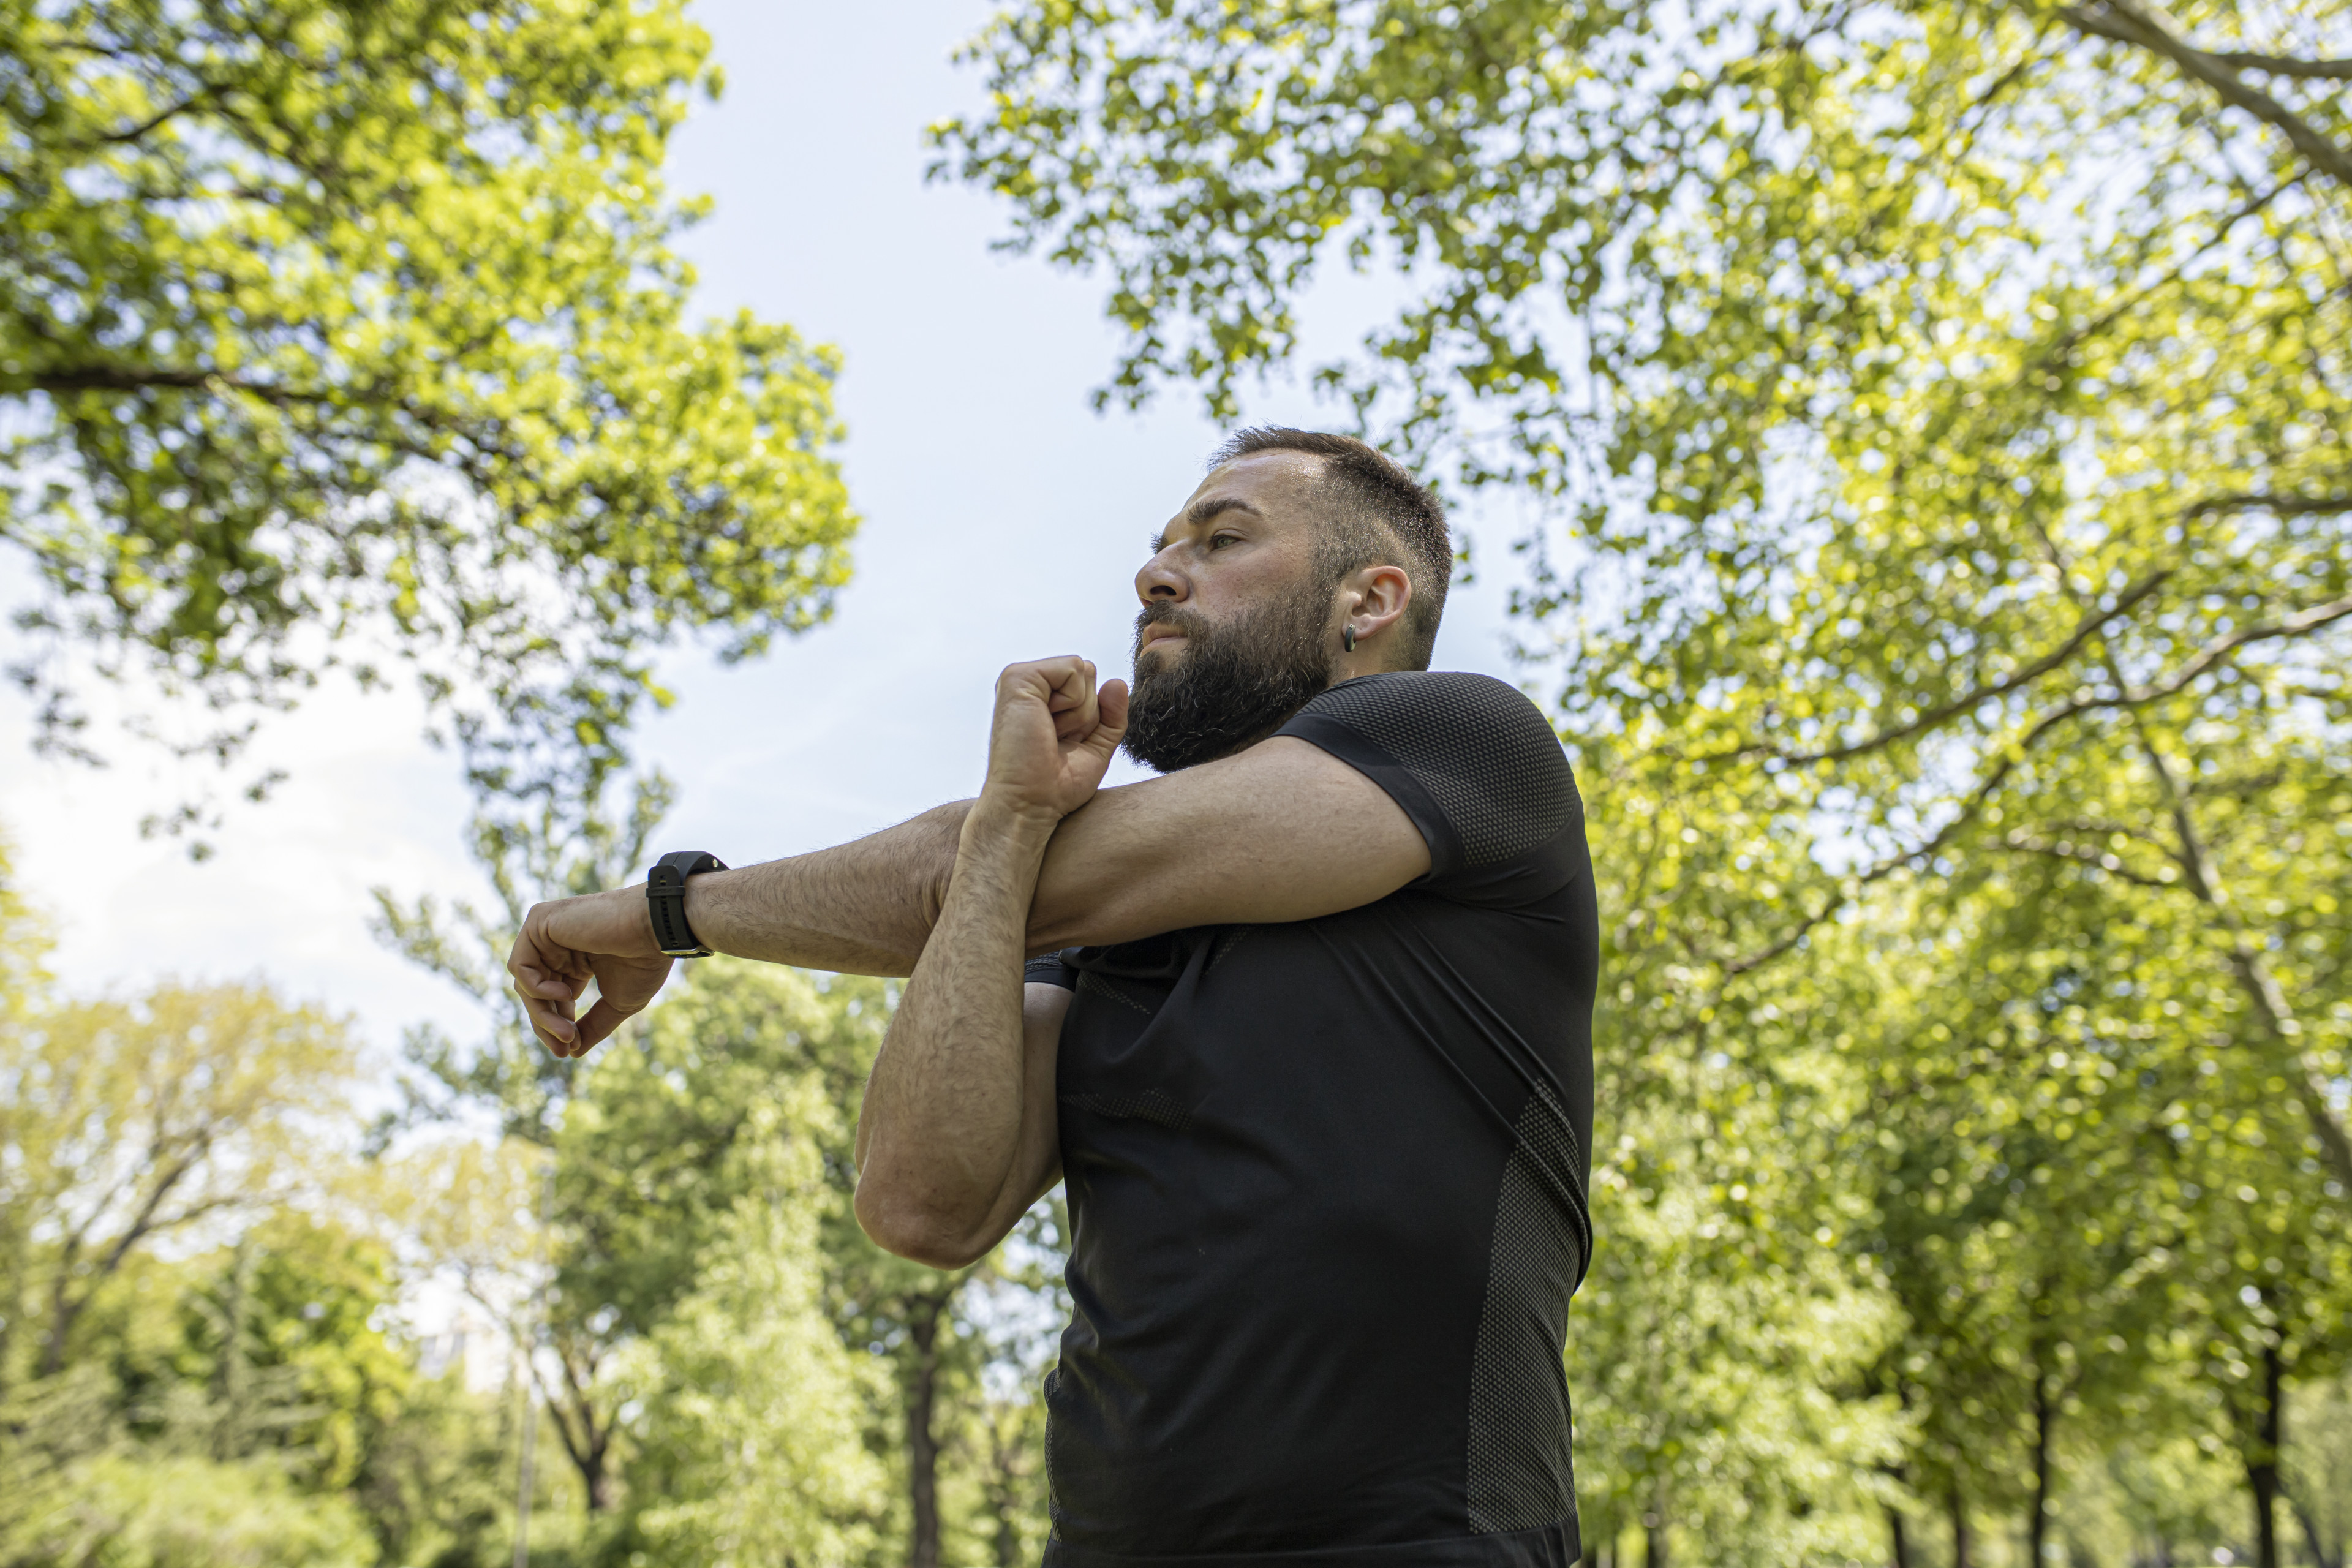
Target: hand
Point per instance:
(605, 936)
(1052, 737)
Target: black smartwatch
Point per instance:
(665, 896)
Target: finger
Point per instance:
(1112, 704)
(1073, 680)
(601, 1021)
(1108, 734)
(1079, 720)
(531, 981)
(552, 1022)
(538, 965)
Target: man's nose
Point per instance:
(1159, 582)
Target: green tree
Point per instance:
(2319, 1471)
(327, 326)
(665, 1137)
(123, 1123)
(1717, 1365)
(297, 1303)
(592, 1244)
(437, 1480)
(185, 1513)
(166, 1405)
(751, 1442)
(643, 1145)
(2023, 1188)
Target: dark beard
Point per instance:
(1233, 685)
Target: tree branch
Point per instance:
(2283, 506)
(169, 111)
(2282, 65)
(2310, 1081)
(117, 378)
(2066, 342)
(2088, 627)
(2125, 698)
(2126, 22)
(2080, 855)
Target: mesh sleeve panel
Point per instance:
(1483, 752)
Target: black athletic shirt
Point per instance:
(1327, 1185)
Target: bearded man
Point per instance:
(1305, 1028)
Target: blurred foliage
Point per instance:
(130, 1123)
(753, 1413)
(329, 330)
(1937, 417)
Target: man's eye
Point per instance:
(1216, 540)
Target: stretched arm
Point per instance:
(1282, 831)
(957, 1135)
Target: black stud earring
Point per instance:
(1348, 637)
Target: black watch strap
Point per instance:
(666, 896)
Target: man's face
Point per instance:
(1234, 634)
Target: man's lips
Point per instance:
(1156, 636)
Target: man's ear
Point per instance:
(1379, 596)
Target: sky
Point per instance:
(1003, 520)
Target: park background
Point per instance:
(1965, 1184)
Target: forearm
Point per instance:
(943, 1136)
(866, 906)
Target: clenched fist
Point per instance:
(1052, 737)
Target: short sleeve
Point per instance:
(1475, 765)
(1049, 971)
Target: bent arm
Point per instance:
(958, 1135)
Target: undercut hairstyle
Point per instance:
(1373, 512)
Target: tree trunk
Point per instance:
(64, 1307)
(1898, 1543)
(2045, 1419)
(598, 1474)
(1655, 1550)
(922, 1441)
(1963, 1548)
(524, 1478)
(2305, 1074)
(1007, 1471)
(2262, 1458)
(2313, 1539)
(587, 1441)
(234, 1417)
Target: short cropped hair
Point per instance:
(1374, 512)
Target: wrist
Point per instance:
(1014, 824)
(631, 908)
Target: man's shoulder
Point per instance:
(1450, 706)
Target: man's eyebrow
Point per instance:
(1201, 512)
(1207, 507)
